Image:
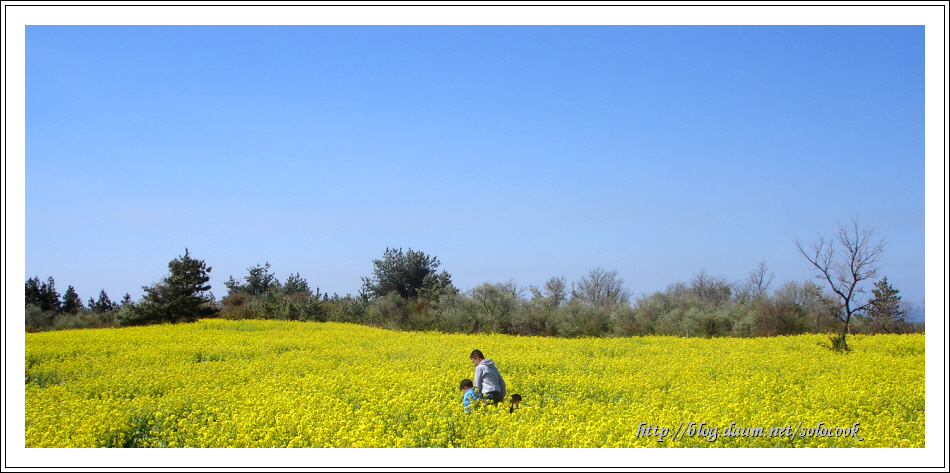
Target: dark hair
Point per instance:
(476, 354)
(466, 384)
(515, 399)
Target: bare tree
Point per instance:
(756, 285)
(711, 289)
(601, 288)
(845, 267)
(813, 299)
(556, 291)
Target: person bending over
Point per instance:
(487, 380)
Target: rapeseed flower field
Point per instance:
(258, 383)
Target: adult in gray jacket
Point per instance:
(487, 379)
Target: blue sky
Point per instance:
(520, 153)
(509, 152)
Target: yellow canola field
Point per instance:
(220, 383)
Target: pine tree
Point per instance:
(72, 304)
(43, 294)
(34, 291)
(411, 275)
(181, 296)
(42, 303)
(296, 285)
(49, 297)
(103, 305)
(885, 310)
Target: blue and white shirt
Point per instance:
(468, 398)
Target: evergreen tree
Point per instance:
(885, 309)
(411, 274)
(33, 291)
(259, 281)
(72, 304)
(182, 296)
(103, 305)
(43, 294)
(296, 284)
(42, 303)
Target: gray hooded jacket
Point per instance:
(488, 379)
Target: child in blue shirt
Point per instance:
(470, 395)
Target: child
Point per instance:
(470, 395)
(515, 400)
(488, 380)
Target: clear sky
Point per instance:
(509, 152)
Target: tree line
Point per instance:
(407, 292)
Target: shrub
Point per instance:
(779, 318)
(582, 320)
(38, 320)
(457, 313)
(625, 321)
(535, 319)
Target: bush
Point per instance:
(535, 319)
(76, 320)
(626, 321)
(38, 320)
(670, 323)
(348, 309)
(235, 306)
(390, 310)
(582, 320)
(498, 302)
(457, 313)
(314, 310)
(743, 320)
(779, 318)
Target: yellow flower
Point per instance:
(258, 383)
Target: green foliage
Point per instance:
(182, 296)
(70, 320)
(103, 304)
(626, 321)
(458, 313)
(394, 312)
(706, 322)
(886, 311)
(706, 306)
(43, 294)
(72, 304)
(537, 316)
(259, 281)
(498, 302)
(837, 343)
(410, 275)
(263, 296)
(576, 319)
(38, 319)
(296, 285)
(348, 309)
